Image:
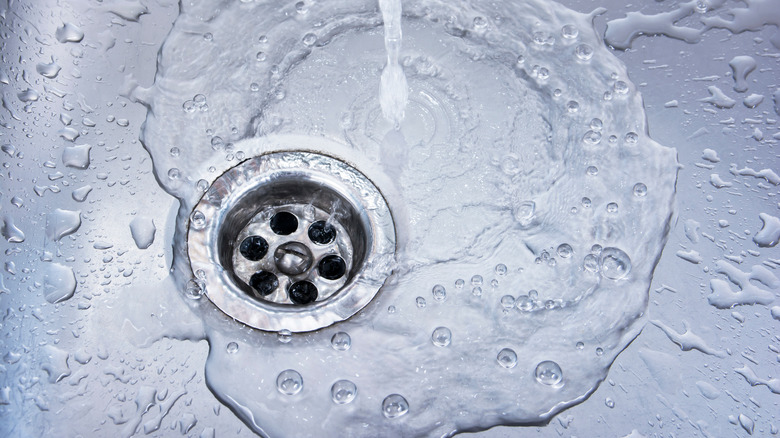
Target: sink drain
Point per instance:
(291, 241)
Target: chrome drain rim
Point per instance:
(313, 188)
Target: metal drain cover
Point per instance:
(291, 241)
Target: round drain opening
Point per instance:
(291, 241)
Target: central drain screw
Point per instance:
(293, 258)
(264, 283)
(303, 292)
(253, 248)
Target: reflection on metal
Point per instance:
(295, 202)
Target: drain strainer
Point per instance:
(291, 241)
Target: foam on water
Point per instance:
(516, 115)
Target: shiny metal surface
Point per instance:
(314, 187)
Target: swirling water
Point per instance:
(516, 115)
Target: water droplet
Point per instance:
(284, 336)
(289, 382)
(583, 52)
(592, 137)
(586, 202)
(28, 95)
(420, 302)
(343, 392)
(572, 106)
(439, 293)
(309, 39)
(612, 207)
(194, 289)
(596, 249)
(592, 170)
(579, 346)
(208, 36)
(596, 124)
(501, 269)
(614, 264)
(507, 302)
(260, 56)
(548, 373)
(174, 173)
(569, 31)
(69, 33)
(525, 303)
(202, 185)
(232, 347)
(391, 310)
(477, 291)
(620, 87)
(441, 337)
(198, 220)
(590, 263)
(507, 358)
(301, 8)
(640, 190)
(479, 22)
(599, 351)
(459, 283)
(631, 138)
(341, 341)
(50, 70)
(476, 280)
(394, 406)
(564, 250)
(609, 402)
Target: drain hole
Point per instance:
(293, 258)
(303, 292)
(284, 223)
(332, 267)
(253, 248)
(264, 283)
(322, 233)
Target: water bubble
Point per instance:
(309, 39)
(301, 8)
(612, 207)
(586, 202)
(174, 173)
(614, 264)
(261, 56)
(441, 337)
(592, 137)
(569, 31)
(198, 220)
(572, 106)
(284, 336)
(596, 249)
(620, 87)
(631, 138)
(599, 351)
(520, 59)
(542, 38)
(590, 263)
(194, 289)
(564, 250)
(507, 302)
(202, 185)
(548, 373)
(289, 382)
(607, 95)
(507, 358)
(596, 124)
(501, 269)
(208, 36)
(394, 406)
(592, 170)
(480, 22)
(557, 92)
(439, 293)
(420, 302)
(459, 283)
(199, 99)
(262, 39)
(232, 347)
(525, 212)
(613, 139)
(254, 87)
(341, 341)
(476, 280)
(579, 346)
(543, 73)
(477, 291)
(525, 303)
(609, 402)
(391, 309)
(175, 151)
(188, 106)
(583, 52)
(533, 294)
(343, 392)
(640, 190)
